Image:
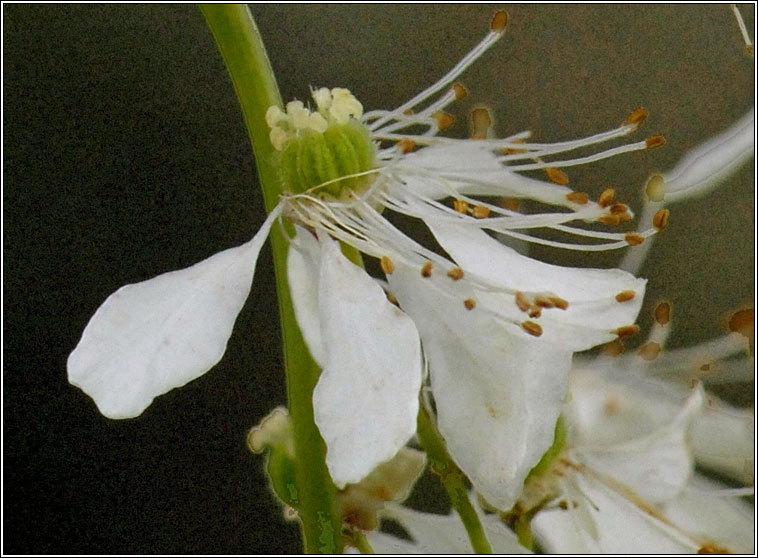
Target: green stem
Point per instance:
(246, 60)
(453, 481)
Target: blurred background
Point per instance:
(125, 156)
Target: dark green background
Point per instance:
(126, 156)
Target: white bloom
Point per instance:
(624, 482)
(498, 329)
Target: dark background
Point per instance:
(126, 156)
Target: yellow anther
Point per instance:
(481, 122)
(610, 219)
(469, 303)
(455, 274)
(614, 348)
(627, 331)
(511, 204)
(655, 188)
(522, 302)
(557, 176)
(499, 21)
(654, 141)
(392, 299)
(661, 219)
(406, 146)
(625, 296)
(559, 303)
(619, 208)
(636, 118)
(461, 206)
(387, 266)
(543, 302)
(649, 351)
(480, 212)
(426, 271)
(444, 120)
(634, 239)
(606, 197)
(532, 328)
(460, 91)
(535, 311)
(578, 197)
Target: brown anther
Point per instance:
(469, 303)
(543, 302)
(649, 351)
(532, 328)
(578, 197)
(387, 266)
(408, 112)
(559, 303)
(625, 296)
(460, 91)
(627, 331)
(511, 204)
(461, 206)
(481, 122)
(655, 188)
(614, 348)
(522, 302)
(662, 313)
(742, 320)
(654, 141)
(392, 299)
(624, 217)
(693, 383)
(426, 271)
(406, 146)
(705, 367)
(480, 212)
(606, 197)
(512, 150)
(634, 239)
(455, 274)
(563, 504)
(535, 311)
(557, 176)
(610, 219)
(617, 208)
(499, 21)
(444, 120)
(661, 219)
(712, 548)
(636, 118)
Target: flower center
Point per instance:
(328, 149)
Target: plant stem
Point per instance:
(452, 479)
(246, 60)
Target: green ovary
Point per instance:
(312, 159)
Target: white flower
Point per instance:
(498, 329)
(624, 482)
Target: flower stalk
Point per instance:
(246, 60)
(452, 479)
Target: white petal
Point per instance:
(498, 390)
(366, 400)
(620, 527)
(713, 161)
(657, 466)
(593, 311)
(303, 262)
(472, 169)
(150, 337)
(727, 521)
(442, 534)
